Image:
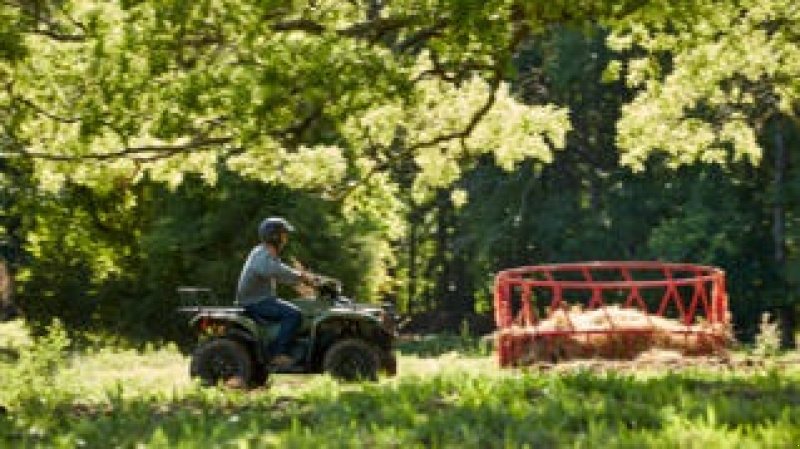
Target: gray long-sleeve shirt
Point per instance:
(260, 275)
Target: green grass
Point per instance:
(121, 398)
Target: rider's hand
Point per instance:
(308, 278)
(308, 284)
(305, 290)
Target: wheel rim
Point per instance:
(223, 366)
(353, 364)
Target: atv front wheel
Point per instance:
(352, 359)
(388, 363)
(222, 360)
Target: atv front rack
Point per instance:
(197, 297)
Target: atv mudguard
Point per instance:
(207, 317)
(350, 323)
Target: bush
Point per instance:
(768, 340)
(36, 371)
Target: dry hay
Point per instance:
(609, 332)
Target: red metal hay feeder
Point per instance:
(693, 296)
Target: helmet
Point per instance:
(269, 231)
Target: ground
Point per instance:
(449, 393)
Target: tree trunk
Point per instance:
(441, 261)
(8, 310)
(412, 261)
(781, 163)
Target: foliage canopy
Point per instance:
(377, 123)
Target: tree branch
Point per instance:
(39, 110)
(520, 33)
(375, 28)
(420, 36)
(38, 17)
(145, 153)
(372, 29)
(58, 36)
(374, 9)
(306, 25)
(462, 134)
(292, 134)
(473, 122)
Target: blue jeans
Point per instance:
(278, 309)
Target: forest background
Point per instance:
(418, 146)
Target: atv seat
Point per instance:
(261, 321)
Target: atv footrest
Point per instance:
(286, 369)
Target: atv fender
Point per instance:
(235, 327)
(204, 320)
(250, 340)
(349, 325)
(366, 324)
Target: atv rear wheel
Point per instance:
(222, 360)
(260, 375)
(352, 359)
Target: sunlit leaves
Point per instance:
(508, 129)
(272, 80)
(342, 74)
(710, 80)
(306, 168)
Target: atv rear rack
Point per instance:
(211, 309)
(197, 297)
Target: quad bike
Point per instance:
(350, 341)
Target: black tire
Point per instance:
(260, 375)
(388, 363)
(222, 360)
(352, 359)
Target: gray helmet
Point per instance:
(269, 231)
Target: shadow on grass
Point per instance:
(439, 344)
(8, 354)
(577, 410)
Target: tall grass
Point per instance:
(143, 399)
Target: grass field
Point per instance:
(448, 393)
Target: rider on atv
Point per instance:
(257, 287)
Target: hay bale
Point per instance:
(610, 332)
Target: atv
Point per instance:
(348, 340)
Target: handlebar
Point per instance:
(327, 287)
(318, 280)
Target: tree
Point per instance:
(277, 91)
(584, 205)
(378, 108)
(325, 97)
(14, 188)
(709, 76)
(714, 82)
(305, 94)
